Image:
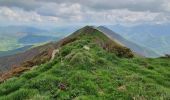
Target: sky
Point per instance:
(97, 12)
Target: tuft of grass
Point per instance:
(10, 86)
(20, 94)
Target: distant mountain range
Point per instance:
(43, 53)
(15, 38)
(12, 30)
(33, 39)
(151, 40)
(155, 37)
(134, 47)
(34, 55)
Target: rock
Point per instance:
(86, 48)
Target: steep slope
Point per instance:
(18, 60)
(90, 66)
(136, 48)
(15, 64)
(152, 36)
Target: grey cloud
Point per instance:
(82, 11)
(24, 4)
(134, 5)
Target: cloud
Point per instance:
(24, 4)
(19, 15)
(134, 5)
(166, 5)
(85, 11)
(124, 17)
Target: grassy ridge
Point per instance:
(91, 74)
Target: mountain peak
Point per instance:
(88, 27)
(85, 30)
(84, 37)
(84, 67)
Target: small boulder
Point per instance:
(86, 48)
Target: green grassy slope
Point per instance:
(82, 70)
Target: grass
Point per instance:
(94, 74)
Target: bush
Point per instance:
(81, 59)
(120, 51)
(65, 51)
(150, 67)
(67, 41)
(81, 43)
(123, 52)
(167, 55)
(101, 61)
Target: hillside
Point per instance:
(28, 58)
(134, 47)
(88, 65)
(43, 53)
(152, 36)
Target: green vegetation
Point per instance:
(92, 74)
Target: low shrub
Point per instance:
(101, 61)
(81, 59)
(150, 67)
(65, 51)
(167, 55)
(123, 52)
